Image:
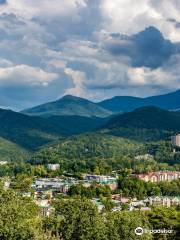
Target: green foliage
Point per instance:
(11, 152)
(168, 218)
(170, 188)
(80, 221)
(22, 183)
(134, 187)
(122, 225)
(93, 191)
(18, 217)
(27, 132)
(144, 124)
(96, 153)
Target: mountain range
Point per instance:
(142, 124)
(170, 101)
(68, 106)
(50, 123)
(71, 105)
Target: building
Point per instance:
(175, 140)
(53, 167)
(144, 157)
(45, 208)
(159, 176)
(104, 180)
(3, 163)
(164, 201)
(100, 178)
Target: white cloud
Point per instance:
(78, 79)
(57, 63)
(129, 16)
(23, 75)
(5, 63)
(43, 8)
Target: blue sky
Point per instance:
(89, 48)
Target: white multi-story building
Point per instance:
(176, 140)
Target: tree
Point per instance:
(168, 218)
(80, 220)
(18, 217)
(122, 225)
(22, 183)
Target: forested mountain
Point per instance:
(72, 125)
(144, 123)
(31, 132)
(147, 117)
(19, 131)
(28, 132)
(68, 106)
(88, 151)
(11, 152)
(116, 104)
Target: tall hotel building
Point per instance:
(176, 140)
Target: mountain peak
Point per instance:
(69, 105)
(68, 96)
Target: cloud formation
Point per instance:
(89, 48)
(25, 75)
(147, 48)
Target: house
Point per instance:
(167, 201)
(144, 157)
(53, 167)
(159, 176)
(3, 163)
(45, 208)
(46, 211)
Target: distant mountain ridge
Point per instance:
(32, 132)
(26, 131)
(147, 117)
(146, 123)
(170, 101)
(69, 106)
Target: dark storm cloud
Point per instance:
(147, 48)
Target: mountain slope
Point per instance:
(146, 123)
(31, 132)
(117, 104)
(11, 152)
(67, 106)
(92, 146)
(72, 125)
(28, 132)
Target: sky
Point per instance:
(94, 49)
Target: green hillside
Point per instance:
(10, 151)
(88, 146)
(69, 105)
(72, 125)
(28, 132)
(147, 123)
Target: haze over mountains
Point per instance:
(170, 101)
(67, 106)
(145, 123)
(53, 122)
(71, 105)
